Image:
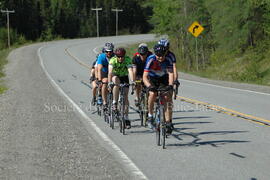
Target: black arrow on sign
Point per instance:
(196, 27)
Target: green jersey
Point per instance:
(120, 69)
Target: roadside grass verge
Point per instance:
(3, 61)
(252, 67)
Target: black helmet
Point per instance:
(159, 50)
(143, 50)
(165, 43)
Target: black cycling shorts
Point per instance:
(159, 82)
(123, 79)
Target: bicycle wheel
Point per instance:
(163, 127)
(158, 134)
(99, 110)
(120, 124)
(145, 109)
(122, 119)
(112, 116)
(157, 120)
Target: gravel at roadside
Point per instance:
(38, 144)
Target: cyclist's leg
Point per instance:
(152, 97)
(94, 93)
(125, 80)
(94, 88)
(104, 89)
(168, 106)
(138, 90)
(116, 81)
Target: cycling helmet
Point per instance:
(159, 50)
(120, 52)
(165, 43)
(108, 47)
(143, 50)
(142, 44)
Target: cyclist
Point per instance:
(158, 73)
(170, 55)
(93, 78)
(102, 68)
(120, 67)
(138, 62)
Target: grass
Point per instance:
(3, 61)
(252, 67)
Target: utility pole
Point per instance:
(97, 9)
(116, 23)
(8, 12)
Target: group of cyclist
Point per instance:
(154, 70)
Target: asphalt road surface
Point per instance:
(206, 143)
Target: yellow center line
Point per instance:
(228, 111)
(77, 59)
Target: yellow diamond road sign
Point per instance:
(195, 29)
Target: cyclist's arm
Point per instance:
(92, 72)
(131, 74)
(99, 67)
(110, 73)
(175, 73)
(96, 72)
(145, 79)
(171, 76)
(134, 68)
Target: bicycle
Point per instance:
(143, 104)
(110, 113)
(121, 112)
(160, 118)
(99, 101)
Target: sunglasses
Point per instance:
(120, 56)
(160, 56)
(108, 51)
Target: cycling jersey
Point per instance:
(139, 64)
(156, 68)
(104, 61)
(120, 68)
(170, 55)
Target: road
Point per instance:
(206, 144)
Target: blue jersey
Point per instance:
(104, 60)
(170, 55)
(156, 68)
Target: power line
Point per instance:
(116, 25)
(8, 12)
(97, 9)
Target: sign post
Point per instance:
(196, 29)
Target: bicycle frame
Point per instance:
(160, 118)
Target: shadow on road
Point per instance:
(198, 140)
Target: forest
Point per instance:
(50, 19)
(233, 46)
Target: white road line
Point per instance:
(124, 158)
(224, 87)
